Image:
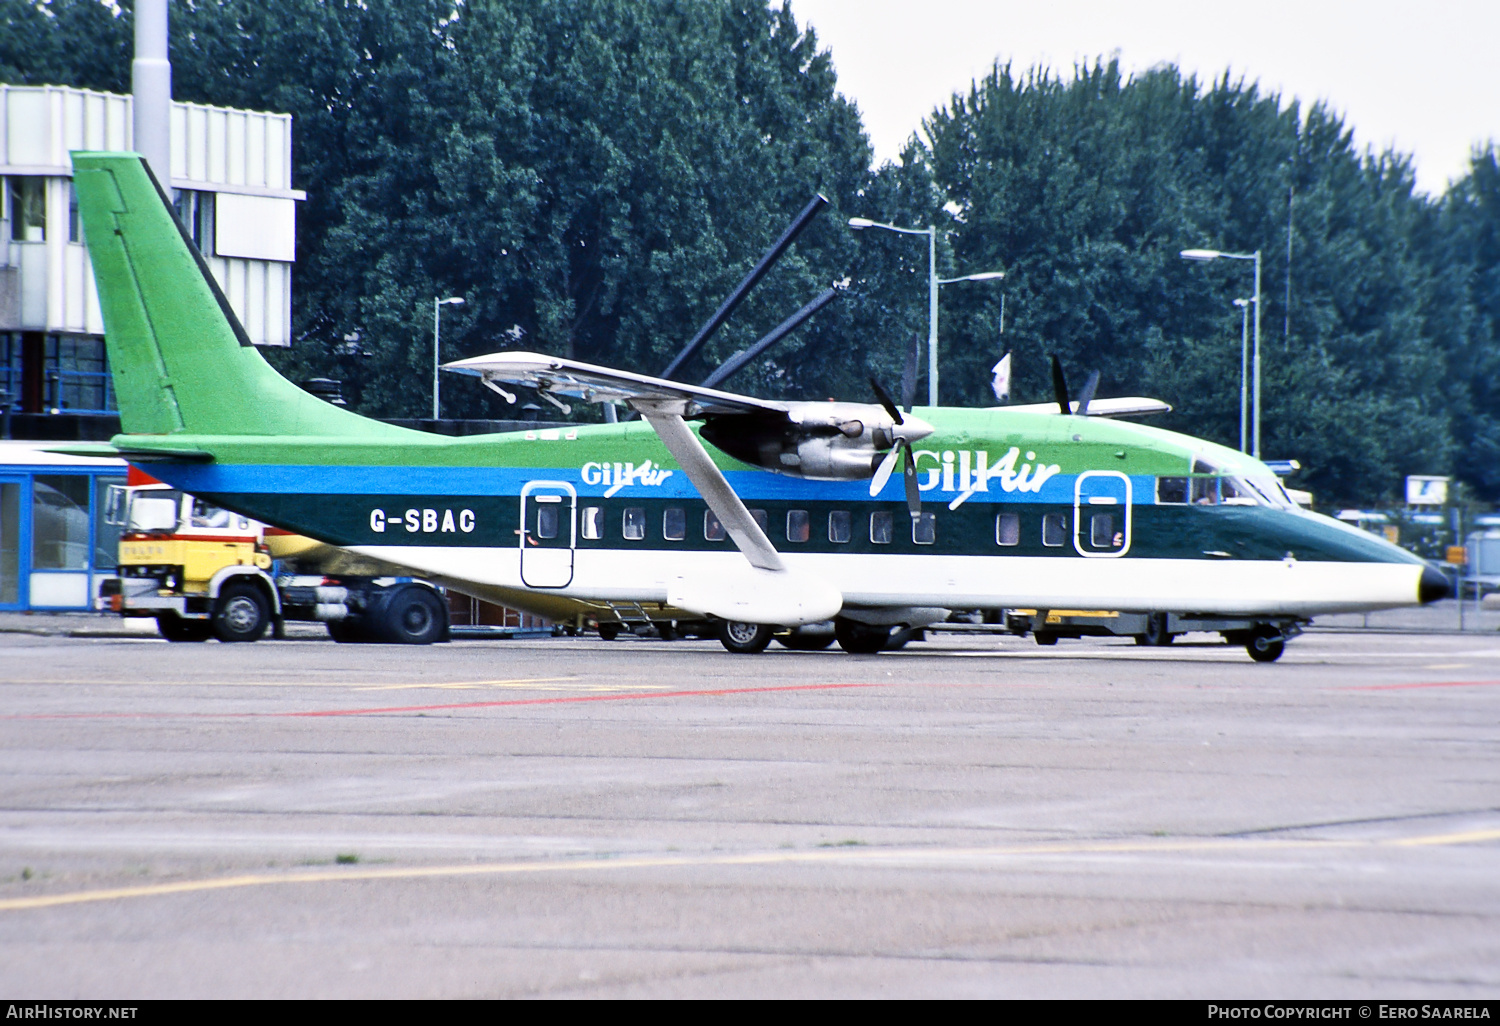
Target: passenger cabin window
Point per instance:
(798, 525)
(924, 528)
(1102, 532)
(1008, 529)
(634, 523)
(840, 526)
(674, 523)
(593, 523)
(546, 521)
(881, 528)
(1054, 529)
(1172, 490)
(762, 521)
(712, 529)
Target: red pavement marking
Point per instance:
(376, 710)
(1425, 684)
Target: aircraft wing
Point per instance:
(553, 375)
(1123, 406)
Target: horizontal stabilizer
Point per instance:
(135, 454)
(1122, 406)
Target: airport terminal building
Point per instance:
(231, 178)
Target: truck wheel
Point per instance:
(1265, 644)
(413, 616)
(744, 638)
(860, 638)
(241, 614)
(175, 628)
(345, 632)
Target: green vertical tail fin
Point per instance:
(181, 361)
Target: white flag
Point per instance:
(1001, 384)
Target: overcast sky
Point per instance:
(1421, 77)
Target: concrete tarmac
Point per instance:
(971, 816)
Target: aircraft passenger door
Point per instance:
(548, 534)
(1101, 514)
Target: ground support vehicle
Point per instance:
(203, 572)
(1264, 640)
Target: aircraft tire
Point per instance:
(1265, 644)
(1156, 630)
(175, 628)
(860, 638)
(797, 641)
(609, 631)
(666, 630)
(413, 616)
(241, 614)
(744, 638)
(1044, 637)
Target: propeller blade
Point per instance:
(883, 472)
(1060, 386)
(1087, 395)
(909, 376)
(909, 477)
(885, 400)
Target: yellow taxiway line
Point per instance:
(845, 855)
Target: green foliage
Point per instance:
(593, 176)
(1085, 191)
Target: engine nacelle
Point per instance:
(820, 441)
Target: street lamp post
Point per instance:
(933, 281)
(437, 306)
(1214, 254)
(1244, 305)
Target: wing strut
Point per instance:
(665, 417)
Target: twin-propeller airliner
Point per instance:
(737, 514)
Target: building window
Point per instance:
(924, 528)
(634, 524)
(1054, 529)
(60, 522)
(75, 230)
(881, 525)
(712, 529)
(196, 212)
(28, 208)
(674, 523)
(839, 526)
(1008, 529)
(798, 525)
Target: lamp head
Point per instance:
(455, 300)
(986, 276)
(1200, 254)
(859, 223)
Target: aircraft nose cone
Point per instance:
(1433, 586)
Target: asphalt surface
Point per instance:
(968, 817)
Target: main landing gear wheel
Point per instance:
(609, 631)
(860, 638)
(1266, 643)
(413, 616)
(801, 641)
(241, 614)
(175, 628)
(1156, 631)
(744, 638)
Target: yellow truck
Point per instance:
(201, 571)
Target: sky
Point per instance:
(1421, 78)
